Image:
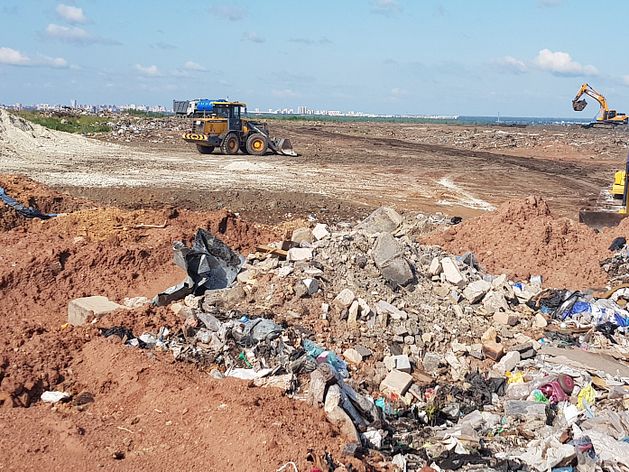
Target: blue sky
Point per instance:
(457, 57)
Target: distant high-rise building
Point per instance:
(73, 103)
(302, 110)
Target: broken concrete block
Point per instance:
(508, 362)
(388, 257)
(299, 254)
(352, 315)
(527, 292)
(385, 308)
(353, 356)
(507, 319)
(402, 363)
(245, 276)
(344, 423)
(320, 231)
(540, 321)
(302, 234)
(85, 310)
(344, 299)
(364, 352)
(476, 290)
(320, 379)
(494, 302)
(493, 350)
(435, 267)
(452, 273)
(431, 362)
(181, 310)
(383, 220)
(525, 410)
(332, 398)
(312, 285)
(396, 382)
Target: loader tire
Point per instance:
(257, 144)
(230, 144)
(205, 149)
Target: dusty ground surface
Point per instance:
(136, 412)
(343, 169)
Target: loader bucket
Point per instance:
(598, 220)
(282, 146)
(579, 105)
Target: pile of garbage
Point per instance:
(419, 357)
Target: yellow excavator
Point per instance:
(607, 116)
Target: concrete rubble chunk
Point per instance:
(388, 257)
(493, 350)
(85, 310)
(540, 321)
(494, 302)
(302, 234)
(476, 290)
(525, 410)
(344, 299)
(353, 356)
(320, 231)
(352, 315)
(332, 398)
(299, 254)
(396, 382)
(431, 362)
(312, 285)
(320, 378)
(343, 422)
(507, 319)
(383, 307)
(527, 292)
(452, 273)
(435, 267)
(402, 363)
(363, 351)
(383, 220)
(508, 362)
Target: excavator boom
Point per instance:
(607, 116)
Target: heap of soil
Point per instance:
(522, 238)
(131, 409)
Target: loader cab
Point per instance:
(232, 112)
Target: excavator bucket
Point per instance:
(579, 105)
(598, 220)
(282, 146)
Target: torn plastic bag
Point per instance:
(256, 331)
(210, 264)
(22, 209)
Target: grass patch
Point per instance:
(69, 124)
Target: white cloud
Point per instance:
(386, 7)
(285, 94)
(229, 12)
(72, 15)
(150, 71)
(16, 58)
(560, 63)
(74, 35)
(194, 66)
(509, 65)
(398, 93)
(253, 37)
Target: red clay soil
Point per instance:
(522, 238)
(132, 409)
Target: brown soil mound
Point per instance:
(129, 411)
(522, 238)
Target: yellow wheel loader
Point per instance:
(219, 124)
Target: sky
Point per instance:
(417, 57)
